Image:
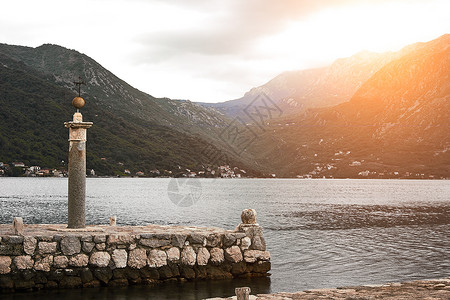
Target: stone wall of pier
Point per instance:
(119, 256)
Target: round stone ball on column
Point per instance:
(78, 102)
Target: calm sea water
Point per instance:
(321, 233)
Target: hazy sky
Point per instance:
(210, 50)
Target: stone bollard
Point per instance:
(18, 226)
(252, 230)
(242, 293)
(113, 221)
(248, 216)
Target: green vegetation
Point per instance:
(124, 136)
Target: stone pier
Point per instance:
(53, 256)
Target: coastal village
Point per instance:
(20, 169)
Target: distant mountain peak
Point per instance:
(294, 91)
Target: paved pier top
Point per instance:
(58, 229)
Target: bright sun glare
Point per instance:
(344, 31)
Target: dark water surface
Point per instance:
(321, 233)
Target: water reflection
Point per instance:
(191, 290)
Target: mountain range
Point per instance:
(295, 91)
(369, 115)
(395, 124)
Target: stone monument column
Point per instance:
(77, 166)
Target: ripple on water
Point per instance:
(321, 233)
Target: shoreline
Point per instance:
(431, 289)
(236, 178)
